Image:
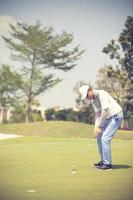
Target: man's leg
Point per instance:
(108, 133)
(99, 142)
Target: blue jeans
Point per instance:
(109, 129)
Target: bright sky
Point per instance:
(94, 24)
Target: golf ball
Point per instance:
(74, 172)
(31, 190)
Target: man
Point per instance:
(108, 119)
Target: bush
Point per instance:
(85, 115)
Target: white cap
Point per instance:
(83, 91)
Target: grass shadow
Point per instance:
(121, 166)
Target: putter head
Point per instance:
(74, 167)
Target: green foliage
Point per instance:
(85, 115)
(10, 82)
(122, 50)
(126, 41)
(112, 49)
(115, 81)
(35, 116)
(18, 112)
(39, 48)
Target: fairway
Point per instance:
(40, 168)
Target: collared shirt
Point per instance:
(103, 102)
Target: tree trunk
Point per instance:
(28, 111)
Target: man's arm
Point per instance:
(102, 118)
(99, 120)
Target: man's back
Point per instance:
(104, 101)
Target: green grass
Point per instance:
(60, 129)
(45, 165)
(49, 128)
(42, 162)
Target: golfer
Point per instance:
(108, 118)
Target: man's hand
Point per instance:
(97, 131)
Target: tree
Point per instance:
(115, 81)
(85, 115)
(122, 50)
(10, 82)
(39, 49)
(18, 112)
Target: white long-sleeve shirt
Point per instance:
(104, 106)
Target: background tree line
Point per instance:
(85, 115)
(38, 48)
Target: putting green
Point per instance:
(40, 168)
